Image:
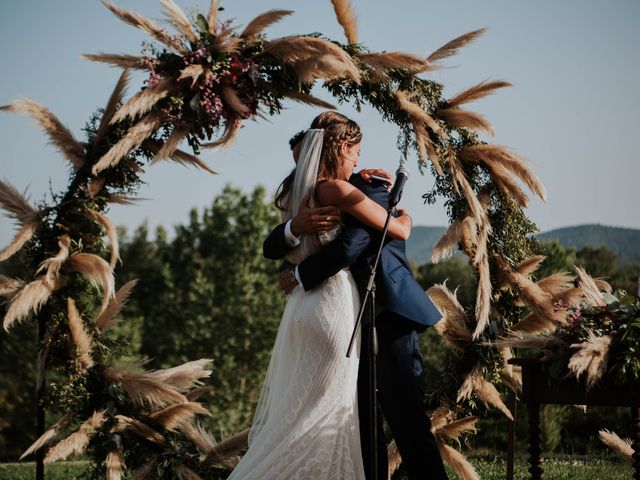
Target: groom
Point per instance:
(403, 309)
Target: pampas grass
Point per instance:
(529, 265)
(179, 20)
(199, 436)
(308, 99)
(194, 72)
(185, 376)
(133, 139)
(59, 135)
(143, 101)
(455, 428)
(78, 441)
(483, 297)
(232, 99)
(144, 389)
(229, 136)
(150, 28)
(148, 471)
(80, 336)
(170, 145)
(10, 286)
(464, 119)
(27, 231)
(590, 358)
(131, 62)
(97, 271)
(179, 156)
(496, 156)
(452, 47)
(394, 459)
(115, 465)
(292, 50)
(447, 245)
(228, 447)
(347, 19)
(174, 416)
(623, 447)
(453, 325)
(475, 383)
(457, 462)
(136, 426)
(49, 436)
(101, 219)
(589, 288)
(477, 92)
(29, 299)
(262, 21)
(106, 319)
(380, 62)
(112, 105)
(183, 472)
(212, 16)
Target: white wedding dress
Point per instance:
(306, 422)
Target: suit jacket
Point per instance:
(356, 247)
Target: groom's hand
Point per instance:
(287, 280)
(314, 220)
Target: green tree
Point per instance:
(597, 261)
(209, 293)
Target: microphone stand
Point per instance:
(372, 351)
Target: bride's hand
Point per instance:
(314, 220)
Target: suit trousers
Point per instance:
(400, 399)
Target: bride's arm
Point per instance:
(350, 200)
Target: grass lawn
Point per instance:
(488, 468)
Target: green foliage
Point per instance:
(209, 293)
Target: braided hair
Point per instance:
(337, 129)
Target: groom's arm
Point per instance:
(279, 242)
(342, 252)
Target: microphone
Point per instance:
(402, 174)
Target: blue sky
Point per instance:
(574, 110)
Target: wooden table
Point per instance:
(537, 389)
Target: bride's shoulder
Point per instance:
(334, 191)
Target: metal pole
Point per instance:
(40, 415)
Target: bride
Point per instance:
(306, 422)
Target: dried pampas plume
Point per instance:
(185, 376)
(105, 319)
(143, 101)
(174, 416)
(380, 62)
(133, 139)
(139, 428)
(78, 441)
(591, 358)
(49, 436)
(453, 325)
(97, 271)
(258, 24)
(228, 447)
(81, 337)
(101, 219)
(179, 156)
(589, 288)
(132, 62)
(446, 246)
(464, 119)
(179, 20)
(347, 19)
(60, 136)
(622, 447)
(112, 105)
(183, 472)
(477, 92)
(452, 47)
(484, 390)
(212, 16)
(144, 389)
(29, 299)
(457, 462)
(150, 28)
(394, 458)
(115, 465)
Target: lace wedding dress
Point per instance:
(306, 421)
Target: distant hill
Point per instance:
(625, 242)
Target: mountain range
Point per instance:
(624, 242)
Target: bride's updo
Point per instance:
(337, 129)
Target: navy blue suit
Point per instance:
(402, 310)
